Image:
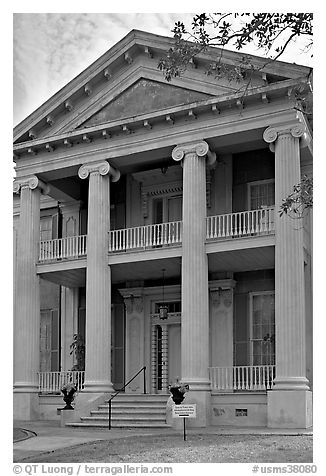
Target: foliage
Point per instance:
(300, 200)
(77, 347)
(270, 32)
(68, 387)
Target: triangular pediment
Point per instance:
(125, 83)
(144, 96)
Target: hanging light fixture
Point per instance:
(163, 308)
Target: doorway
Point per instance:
(166, 347)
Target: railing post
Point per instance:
(110, 412)
(144, 379)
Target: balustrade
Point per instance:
(230, 225)
(70, 247)
(52, 382)
(148, 236)
(245, 378)
(247, 223)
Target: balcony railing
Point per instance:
(243, 378)
(52, 382)
(71, 247)
(148, 236)
(234, 225)
(230, 225)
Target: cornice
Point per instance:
(156, 138)
(169, 117)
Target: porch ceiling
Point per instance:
(71, 278)
(242, 260)
(146, 270)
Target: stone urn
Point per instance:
(178, 392)
(68, 391)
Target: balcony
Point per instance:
(157, 236)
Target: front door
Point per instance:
(166, 347)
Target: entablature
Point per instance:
(216, 106)
(168, 128)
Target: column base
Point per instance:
(25, 405)
(98, 387)
(289, 409)
(197, 384)
(291, 383)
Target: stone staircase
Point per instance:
(128, 411)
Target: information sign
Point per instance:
(184, 411)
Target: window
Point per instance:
(262, 328)
(261, 194)
(49, 340)
(167, 209)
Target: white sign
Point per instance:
(184, 411)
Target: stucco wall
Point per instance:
(239, 409)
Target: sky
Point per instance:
(50, 49)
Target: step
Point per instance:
(129, 411)
(125, 417)
(121, 405)
(140, 398)
(105, 424)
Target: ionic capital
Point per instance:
(272, 133)
(200, 148)
(102, 168)
(31, 182)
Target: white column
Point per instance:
(69, 296)
(98, 280)
(27, 308)
(194, 283)
(288, 407)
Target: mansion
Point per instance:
(149, 244)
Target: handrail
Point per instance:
(143, 369)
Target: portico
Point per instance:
(192, 189)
